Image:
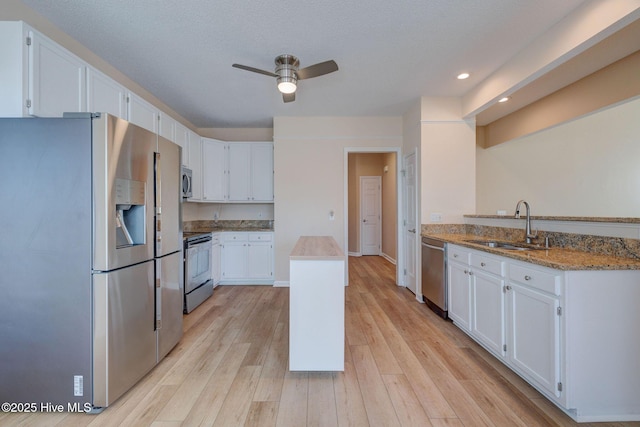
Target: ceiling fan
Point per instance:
(287, 73)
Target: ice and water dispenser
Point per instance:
(130, 212)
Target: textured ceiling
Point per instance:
(389, 52)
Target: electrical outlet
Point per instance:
(332, 215)
(436, 217)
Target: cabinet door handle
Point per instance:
(470, 273)
(466, 272)
(508, 287)
(455, 255)
(527, 277)
(482, 264)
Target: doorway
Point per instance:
(363, 166)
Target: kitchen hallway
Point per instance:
(404, 366)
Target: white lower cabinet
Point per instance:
(571, 334)
(512, 312)
(247, 258)
(534, 336)
(488, 325)
(459, 287)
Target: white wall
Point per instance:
(587, 167)
(309, 178)
(447, 161)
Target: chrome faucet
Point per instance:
(528, 235)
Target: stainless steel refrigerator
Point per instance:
(90, 257)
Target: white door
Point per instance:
(410, 222)
(370, 218)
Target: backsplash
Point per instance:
(613, 246)
(227, 224)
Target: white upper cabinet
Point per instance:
(37, 76)
(182, 139)
(262, 172)
(56, 79)
(214, 170)
(105, 95)
(195, 164)
(239, 172)
(251, 172)
(142, 113)
(14, 69)
(167, 127)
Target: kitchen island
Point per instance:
(316, 305)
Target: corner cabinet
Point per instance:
(562, 331)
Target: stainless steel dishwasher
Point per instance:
(434, 275)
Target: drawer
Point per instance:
(235, 237)
(260, 237)
(543, 280)
(457, 254)
(488, 264)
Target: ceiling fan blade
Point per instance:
(255, 70)
(289, 97)
(318, 69)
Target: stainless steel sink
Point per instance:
(511, 246)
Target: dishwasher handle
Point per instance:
(433, 247)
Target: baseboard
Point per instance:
(358, 254)
(388, 258)
(281, 284)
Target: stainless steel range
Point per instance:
(198, 273)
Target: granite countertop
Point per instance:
(558, 258)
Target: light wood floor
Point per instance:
(403, 366)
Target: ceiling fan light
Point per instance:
(286, 85)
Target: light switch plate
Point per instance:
(436, 217)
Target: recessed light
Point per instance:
(463, 76)
(504, 99)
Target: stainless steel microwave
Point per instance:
(187, 182)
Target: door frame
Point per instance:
(361, 219)
(399, 201)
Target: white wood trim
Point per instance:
(281, 284)
(358, 254)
